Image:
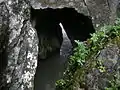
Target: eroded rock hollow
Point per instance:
(46, 22)
(20, 33)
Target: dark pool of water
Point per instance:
(51, 70)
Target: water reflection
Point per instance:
(50, 70)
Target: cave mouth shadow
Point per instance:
(47, 24)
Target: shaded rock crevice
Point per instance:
(46, 22)
(4, 25)
(19, 39)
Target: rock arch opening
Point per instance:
(49, 24)
(46, 22)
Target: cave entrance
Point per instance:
(50, 24)
(46, 22)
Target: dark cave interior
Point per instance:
(46, 22)
(76, 25)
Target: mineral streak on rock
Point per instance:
(22, 46)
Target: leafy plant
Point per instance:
(83, 58)
(80, 53)
(115, 83)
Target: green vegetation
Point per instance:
(84, 58)
(115, 83)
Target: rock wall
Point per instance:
(101, 12)
(108, 75)
(19, 40)
(18, 46)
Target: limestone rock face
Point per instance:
(101, 11)
(19, 40)
(108, 73)
(18, 46)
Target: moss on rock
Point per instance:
(94, 64)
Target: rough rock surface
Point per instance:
(19, 41)
(101, 11)
(18, 46)
(109, 70)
